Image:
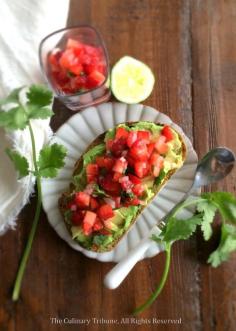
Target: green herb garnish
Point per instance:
(181, 229)
(47, 164)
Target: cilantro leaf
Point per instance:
(12, 97)
(209, 210)
(39, 96)
(225, 202)
(20, 162)
(51, 158)
(14, 119)
(34, 112)
(227, 245)
(176, 229)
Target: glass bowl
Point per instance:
(75, 64)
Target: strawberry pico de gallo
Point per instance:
(118, 177)
(77, 68)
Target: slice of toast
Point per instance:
(63, 200)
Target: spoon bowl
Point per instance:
(214, 166)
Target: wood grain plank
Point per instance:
(214, 97)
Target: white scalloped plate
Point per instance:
(76, 134)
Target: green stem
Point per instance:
(186, 204)
(21, 270)
(159, 288)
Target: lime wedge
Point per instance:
(132, 81)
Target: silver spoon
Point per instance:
(214, 166)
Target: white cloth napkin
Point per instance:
(22, 24)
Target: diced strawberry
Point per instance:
(74, 44)
(130, 160)
(150, 148)
(139, 150)
(132, 202)
(118, 146)
(78, 82)
(120, 165)
(109, 185)
(138, 189)
(105, 212)
(98, 225)
(92, 172)
(156, 159)
(77, 218)
(144, 135)
(167, 132)
(88, 222)
(156, 171)
(105, 162)
(76, 69)
(82, 199)
(93, 203)
(161, 145)
(117, 201)
(117, 176)
(135, 180)
(95, 79)
(132, 137)
(141, 168)
(126, 184)
(109, 144)
(72, 205)
(68, 59)
(53, 59)
(121, 133)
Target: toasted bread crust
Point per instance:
(78, 167)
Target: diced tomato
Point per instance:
(161, 145)
(117, 176)
(109, 185)
(138, 189)
(141, 168)
(88, 222)
(126, 184)
(82, 199)
(130, 160)
(118, 146)
(135, 180)
(105, 212)
(93, 203)
(139, 151)
(132, 137)
(167, 132)
(98, 225)
(95, 79)
(150, 148)
(144, 135)
(120, 165)
(121, 133)
(77, 218)
(92, 172)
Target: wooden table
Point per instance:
(191, 47)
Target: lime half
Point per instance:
(132, 81)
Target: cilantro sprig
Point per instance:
(207, 205)
(17, 115)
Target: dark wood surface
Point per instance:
(191, 47)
